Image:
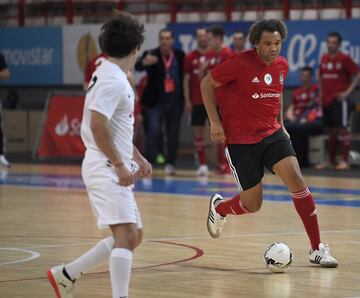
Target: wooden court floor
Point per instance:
(45, 219)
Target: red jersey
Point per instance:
(92, 65)
(336, 73)
(215, 59)
(252, 93)
(304, 100)
(191, 66)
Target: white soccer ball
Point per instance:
(278, 257)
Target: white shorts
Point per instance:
(111, 203)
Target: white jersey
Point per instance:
(110, 94)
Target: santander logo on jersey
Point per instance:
(265, 95)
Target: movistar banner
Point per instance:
(33, 55)
(305, 44)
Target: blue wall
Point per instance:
(33, 55)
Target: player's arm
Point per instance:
(290, 113)
(347, 92)
(101, 132)
(186, 87)
(280, 117)
(145, 167)
(85, 86)
(203, 67)
(319, 79)
(208, 85)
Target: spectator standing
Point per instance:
(163, 100)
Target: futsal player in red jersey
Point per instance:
(338, 76)
(92, 65)
(252, 127)
(218, 53)
(193, 100)
(303, 116)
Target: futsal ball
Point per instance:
(278, 257)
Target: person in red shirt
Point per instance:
(92, 65)
(304, 115)
(218, 53)
(338, 75)
(193, 99)
(252, 127)
(239, 41)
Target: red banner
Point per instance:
(61, 131)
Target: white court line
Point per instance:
(34, 255)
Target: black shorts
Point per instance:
(198, 115)
(337, 114)
(247, 161)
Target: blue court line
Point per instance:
(324, 195)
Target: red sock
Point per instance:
(200, 149)
(305, 207)
(232, 206)
(346, 144)
(332, 147)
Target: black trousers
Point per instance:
(1, 136)
(299, 135)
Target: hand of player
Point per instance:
(149, 60)
(217, 133)
(145, 169)
(124, 175)
(342, 96)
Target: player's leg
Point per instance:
(172, 130)
(127, 238)
(344, 134)
(3, 161)
(331, 118)
(247, 169)
(198, 118)
(289, 171)
(153, 130)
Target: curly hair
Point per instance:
(121, 34)
(270, 25)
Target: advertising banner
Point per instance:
(33, 55)
(61, 132)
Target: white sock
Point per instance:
(120, 271)
(97, 255)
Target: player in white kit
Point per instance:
(111, 164)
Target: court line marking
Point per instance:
(34, 255)
(198, 253)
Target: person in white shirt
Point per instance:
(112, 163)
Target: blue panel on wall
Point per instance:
(33, 55)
